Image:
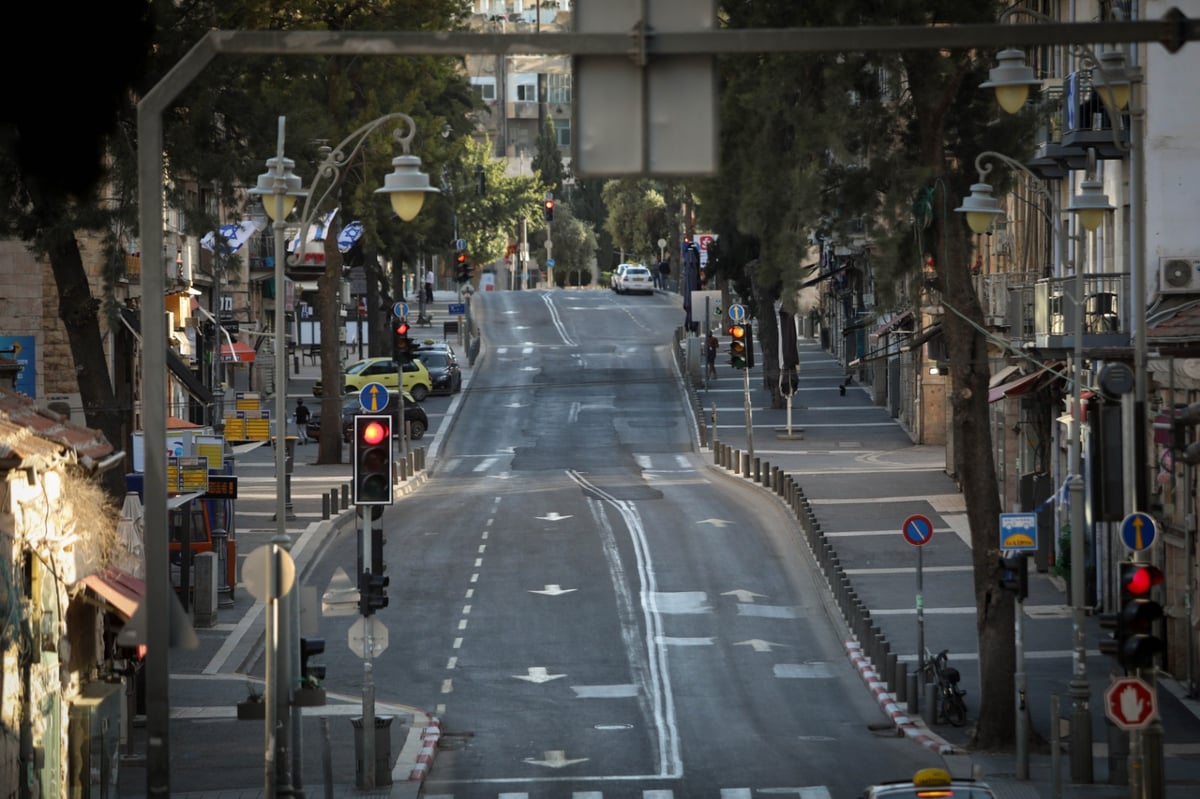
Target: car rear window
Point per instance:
(640, 271)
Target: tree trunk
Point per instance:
(329, 449)
(79, 312)
(994, 607)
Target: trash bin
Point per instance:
(383, 751)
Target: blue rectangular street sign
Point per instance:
(1018, 532)
(457, 309)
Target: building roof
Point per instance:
(30, 431)
(1179, 330)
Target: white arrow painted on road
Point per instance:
(744, 596)
(514, 405)
(537, 675)
(715, 522)
(551, 589)
(555, 758)
(758, 644)
(553, 517)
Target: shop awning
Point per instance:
(122, 591)
(891, 323)
(239, 353)
(1013, 388)
(922, 336)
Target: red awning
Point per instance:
(1013, 387)
(119, 589)
(241, 353)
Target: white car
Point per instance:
(635, 278)
(614, 280)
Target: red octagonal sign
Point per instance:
(1130, 703)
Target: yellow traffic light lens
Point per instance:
(737, 331)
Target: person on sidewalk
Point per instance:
(429, 287)
(302, 417)
(711, 345)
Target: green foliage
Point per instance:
(637, 217)
(547, 159)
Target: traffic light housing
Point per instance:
(1014, 574)
(738, 348)
(462, 269)
(311, 675)
(548, 210)
(1134, 643)
(401, 344)
(372, 593)
(372, 460)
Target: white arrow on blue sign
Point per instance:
(400, 309)
(457, 309)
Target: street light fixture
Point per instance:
(407, 187)
(981, 209)
(1011, 80)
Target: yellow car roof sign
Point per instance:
(931, 777)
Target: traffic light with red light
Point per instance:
(737, 346)
(401, 345)
(462, 268)
(1133, 642)
(548, 210)
(372, 460)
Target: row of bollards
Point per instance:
(338, 499)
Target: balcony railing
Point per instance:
(994, 290)
(1106, 312)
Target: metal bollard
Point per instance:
(333, 501)
(901, 688)
(345, 496)
(324, 507)
(890, 661)
(913, 693)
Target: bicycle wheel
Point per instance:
(953, 708)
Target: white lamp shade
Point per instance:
(1011, 79)
(980, 207)
(1091, 204)
(407, 186)
(1111, 80)
(278, 180)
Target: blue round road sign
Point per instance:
(917, 530)
(737, 312)
(400, 309)
(1138, 531)
(373, 398)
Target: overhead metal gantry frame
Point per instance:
(641, 45)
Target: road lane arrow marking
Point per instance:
(552, 516)
(551, 589)
(555, 758)
(715, 522)
(758, 644)
(538, 675)
(744, 596)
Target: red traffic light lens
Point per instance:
(375, 432)
(1140, 579)
(402, 329)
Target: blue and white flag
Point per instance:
(235, 236)
(350, 234)
(316, 231)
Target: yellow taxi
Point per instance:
(383, 370)
(930, 783)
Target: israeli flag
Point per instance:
(321, 227)
(350, 234)
(235, 236)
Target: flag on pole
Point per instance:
(349, 236)
(321, 226)
(235, 236)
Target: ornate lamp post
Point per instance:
(280, 189)
(981, 210)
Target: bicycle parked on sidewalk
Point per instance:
(949, 705)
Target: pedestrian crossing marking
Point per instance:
(803, 792)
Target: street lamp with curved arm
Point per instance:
(981, 209)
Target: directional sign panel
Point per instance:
(373, 398)
(1130, 703)
(917, 530)
(1138, 531)
(1018, 532)
(457, 308)
(737, 312)
(400, 309)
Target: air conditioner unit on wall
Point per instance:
(1179, 274)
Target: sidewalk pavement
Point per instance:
(208, 682)
(852, 476)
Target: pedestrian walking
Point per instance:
(664, 271)
(429, 286)
(302, 417)
(711, 345)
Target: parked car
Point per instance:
(635, 278)
(414, 414)
(383, 370)
(443, 369)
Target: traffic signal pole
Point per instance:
(368, 684)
